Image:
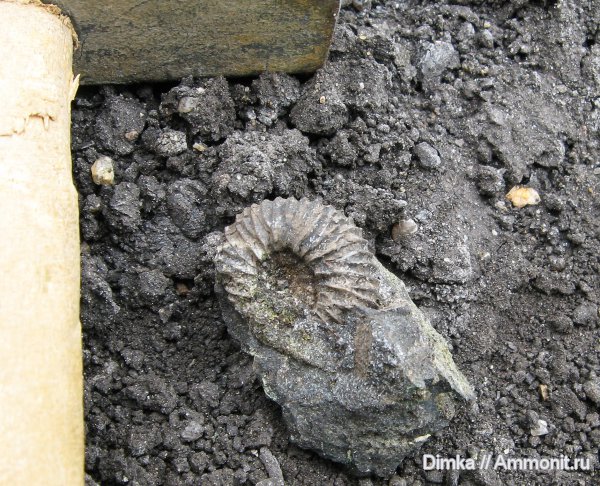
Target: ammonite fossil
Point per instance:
(360, 374)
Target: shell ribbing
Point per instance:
(319, 236)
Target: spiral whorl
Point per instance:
(335, 256)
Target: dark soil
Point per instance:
(428, 111)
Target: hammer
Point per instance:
(115, 41)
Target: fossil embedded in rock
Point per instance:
(360, 374)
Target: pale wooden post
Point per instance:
(41, 408)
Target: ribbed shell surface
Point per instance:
(321, 237)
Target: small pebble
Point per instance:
(593, 419)
(585, 314)
(427, 156)
(592, 390)
(404, 228)
(93, 204)
(539, 429)
(187, 104)
(521, 196)
(132, 135)
(103, 171)
(486, 39)
(484, 256)
(489, 180)
(272, 466)
(440, 56)
(193, 431)
(558, 264)
(576, 237)
(170, 142)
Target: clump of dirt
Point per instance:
(426, 111)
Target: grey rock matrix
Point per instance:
(362, 377)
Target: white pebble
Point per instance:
(541, 428)
(403, 228)
(103, 171)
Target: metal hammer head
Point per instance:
(124, 41)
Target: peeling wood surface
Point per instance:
(125, 41)
(41, 376)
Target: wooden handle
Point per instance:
(41, 410)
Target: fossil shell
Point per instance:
(320, 238)
(361, 376)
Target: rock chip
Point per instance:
(192, 431)
(141, 440)
(168, 249)
(275, 94)
(527, 127)
(540, 428)
(273, 469)
(123, 211)
(375, 208)
(97, 297)
(586, 314)
(438, 57)
(592, 390)
(427, 156)
(166, 142)
(141, 286)
(185, 205)
(521, 196)
(489, 180)
(152, 393)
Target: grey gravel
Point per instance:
(170, 142)
(192, 431)
(427, 156)
(540, 428)
(592, 390)
(438, 57)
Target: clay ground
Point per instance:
(429, 111)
